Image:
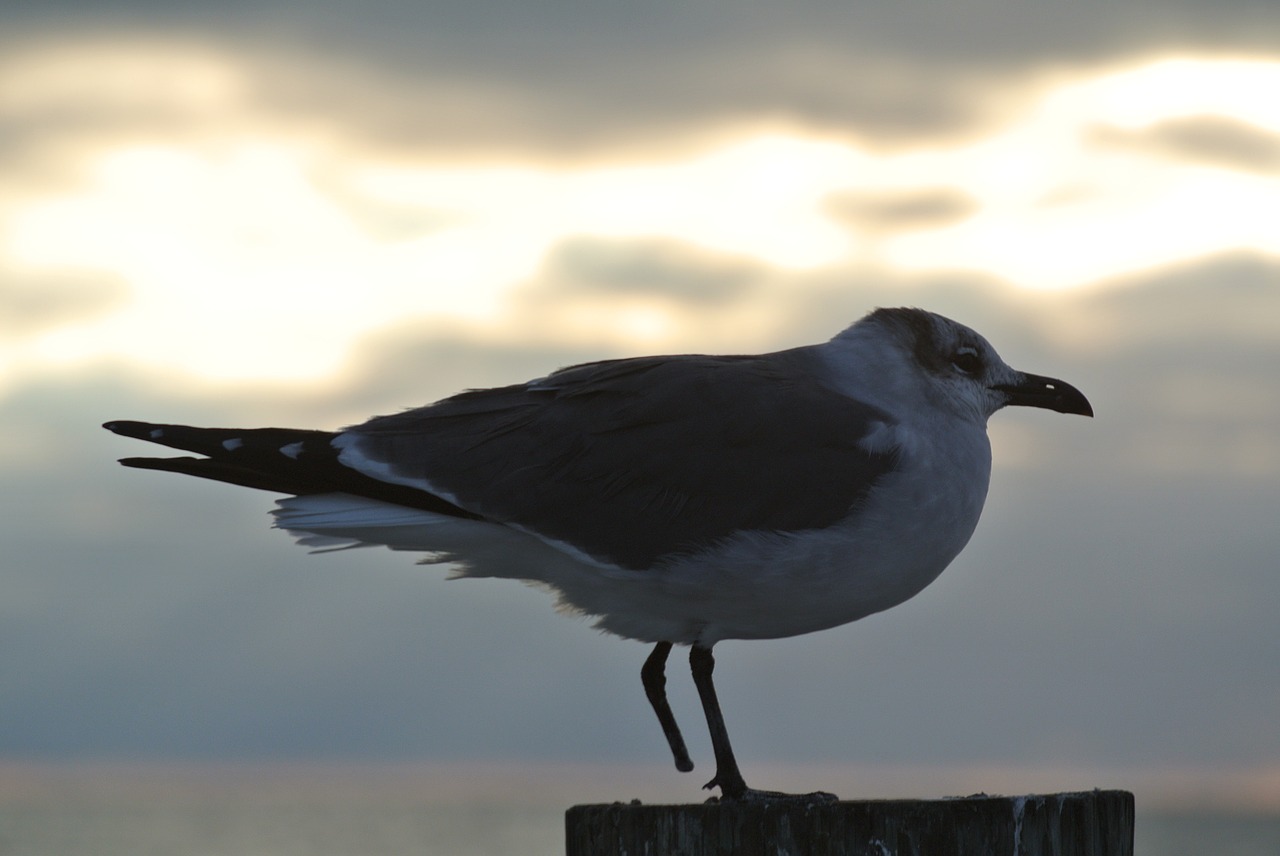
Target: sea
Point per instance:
(444, 810)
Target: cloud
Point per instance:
(65, 97)
(31, 304)
(573, 81)
(1183, 361)
(905, 210)
(419, 362)
(1217, 305)
(619, 269)
(1207, 140)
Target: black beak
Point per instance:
(1047, 392)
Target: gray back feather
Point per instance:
(637, 460)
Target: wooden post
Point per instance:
(1089, 823)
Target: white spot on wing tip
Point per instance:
(232, 445)
(156, 433)
(293, 450)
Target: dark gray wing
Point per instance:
(635, 460)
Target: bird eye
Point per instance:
(967, 361)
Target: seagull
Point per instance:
(677, 500)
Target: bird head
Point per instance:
(959, 370)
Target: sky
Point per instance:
(278, 214)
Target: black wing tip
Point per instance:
(129, 428)
(153, 463)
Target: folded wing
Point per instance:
(631, 461)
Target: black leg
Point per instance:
(728, 779)
(655, 687)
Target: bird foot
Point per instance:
(755, 797)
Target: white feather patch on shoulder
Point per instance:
(350, 454)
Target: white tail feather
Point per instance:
(338, 521)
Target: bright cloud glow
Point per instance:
(1244, 89)
(260, 252)
(221, 253)
(1058, 209)
(760, 199)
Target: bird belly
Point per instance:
(761, 585)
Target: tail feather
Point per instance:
(216, 441)
(223, 471)
(282, 460)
